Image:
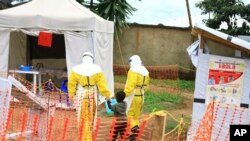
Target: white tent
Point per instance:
(82, 29)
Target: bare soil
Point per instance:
(185, 109)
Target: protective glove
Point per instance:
(107, 98)
(109, 104)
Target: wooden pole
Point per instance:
(189, 15)
(159, 127)
(189, 19)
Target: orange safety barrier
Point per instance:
(34, 129)
(158, 72)
(30, 121)
(7, 124)
(205, 127)
(216, 122)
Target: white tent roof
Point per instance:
(54, 15)
(237, 41)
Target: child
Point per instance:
(119, 110)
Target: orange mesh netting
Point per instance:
(48, 116)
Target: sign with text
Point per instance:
(225, 80)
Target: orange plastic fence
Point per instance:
(158, 72)
(216, 122)
(206, 125)
(29, 121)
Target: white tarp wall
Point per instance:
(4, 49)
(233, 97)
(76, 45)
(83, 30)
(5, 95)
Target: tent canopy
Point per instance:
(214, 35)
(82, 29)
(54, 14)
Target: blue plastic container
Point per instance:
(64, 87)
(25, 68)
(113, 102)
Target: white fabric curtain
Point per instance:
(4, 49)
(103, 50)
(76, 44)
(100, 44)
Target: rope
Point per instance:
(173, 129)
(185, 68)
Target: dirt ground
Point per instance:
(185, 109)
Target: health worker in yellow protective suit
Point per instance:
(83, 83)
(137, 83)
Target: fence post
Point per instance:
(159, 126)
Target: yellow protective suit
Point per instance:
(136, 84)
(87, 77)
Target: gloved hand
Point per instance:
(108, 98)
(109, 104)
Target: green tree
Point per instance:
(228, 11)
(113, 10)
(88, 3)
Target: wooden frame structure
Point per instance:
(205, 35)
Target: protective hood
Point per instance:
(87, 68)
(134, 61)
(136, 65)
(87, 58)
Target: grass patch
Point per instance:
(186, 85)
(120, 78)
(170, 125)
(161, 101)
(177, 84)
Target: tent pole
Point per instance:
(28, 60)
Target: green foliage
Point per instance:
(89, 4)
(171, 124)
(226, 11)
(161, 101)
(186, 85)
(177, 84)
(80, 1)
(115, 10)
